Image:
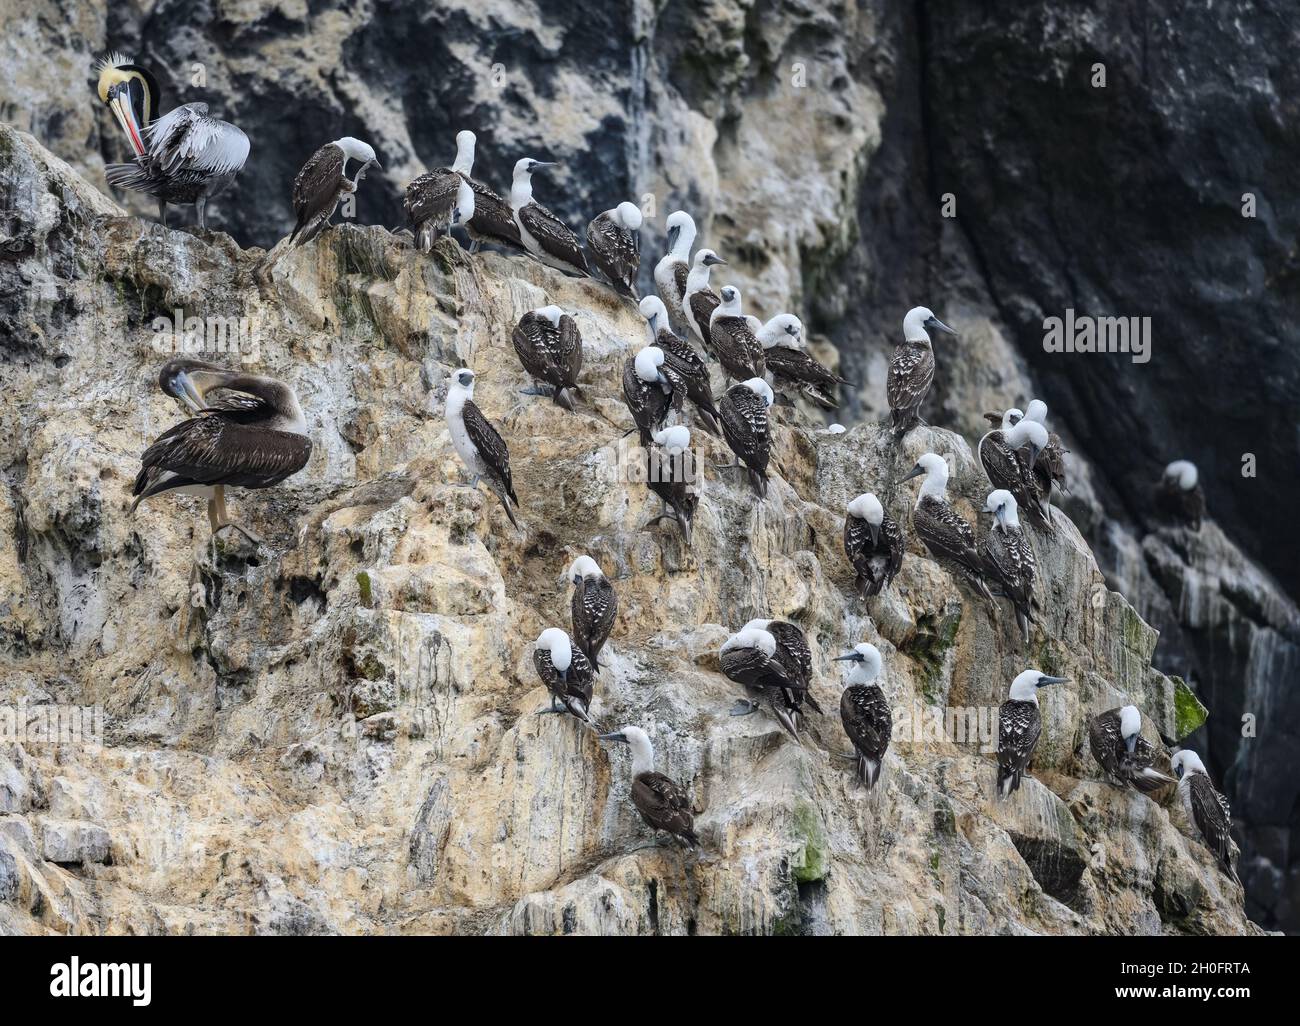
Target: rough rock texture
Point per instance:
(335, 732)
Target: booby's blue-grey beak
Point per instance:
(916, 471)
(849, 657)
(619, 736)
(535, 164)
(1130, 743)
(1179, 770)
(673, 233)
(1045, 680)
(874, 531)
(934, 322)
(710, 261)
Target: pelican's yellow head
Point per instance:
(131, 93)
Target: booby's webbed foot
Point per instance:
(545, 390)
(242, 530)
(744, 707)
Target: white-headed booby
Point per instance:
(749, 657)
(1019, 725)
(1007, 454)
(649, 392)
(1208, 809)
(567, 674)
(673, 475)
(734, 344)
(745, 426)
(615, 243)
(480, 448)
(662, 802)
(1117, 744)
(700, 300)
(682, 363)
(323, 182)
(792, 367)
(448, 196)
(593, 607)
(945, 533)
(1009, 557)
(672, 271)
(544, 235)
(550, 348)
(864, 711)
(873, 543)
(1049, 468)
(1178, 495)
(911, 369)
(794, 654)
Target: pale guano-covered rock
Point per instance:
(336, 732)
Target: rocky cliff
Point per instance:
(335, 731)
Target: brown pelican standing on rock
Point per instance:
(682, 364)
(1179, 497)
(255, 437)
(615, 246)
(792, 367)
(700, 300)
(672, 271)
(662, 802)
(323, 182)
(477, 443)
(749, 657)
(1115, 738)
(182, 157)
(1007, 454)
(1009, 557)
(648, 391)
(1019, 725)
(911, 369)
(945, 533)
(673, 475)
(864, 711)
(747, 430)
(550, 348)
(734, 344)
(567, 674)
(593, 607)
(544, 235)
(873, 542)
(1207, 808)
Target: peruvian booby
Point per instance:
(1019, 725)
(594, 606)
(182, 157)
(749, 657)
(673, 475)
(945, 533)
(1007, 454)
(323, 182)
(794, 654)
(567, 674)
(447, 196)
(743, 410)
(550, 348)
(734, 344)
(1049, 468)
(791, 366)
(873, 543)
(1179, 496)
(700, 300)
(864, 711)
(1207, 808)
(662, 802)
(649, 392)
(477, 443)
(254, 436)
(615, 243)
(682, 364)
(1115, 738)
(544, 235)
(911, 369)
(1009, 557)
(675, 267)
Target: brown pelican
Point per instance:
(182, 157)
(948, 537)
(254, 437)
(749, 657)
(746, 428)
(734, 344)
(1019, 724)
(701, 300)
(550, 349)
(673, 474)
(864, 711)
(911, 369)
(662, 802)
(792, 367)
(615, 246)
(873, 542)
(477, 443)
(649, 392)
(544, 235)
(567, 674)
(672, 271)
(1009, 557)
(1207, 808)
(1115, 738)
(323, 182)
(593, 607)
(1179, 497)
(682, 365)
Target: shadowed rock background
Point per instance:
(341, 736)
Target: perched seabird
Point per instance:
(1007, 454)
(662, 802)
(550, 348)
(253, 437)
(1179, 496)
(749, 657)
(794, 654)
(864, 711)
(682, 364)
(477, 443)
(734, 344)
(323, 182)
(447, 196)
(1207, 808)
(544, 235)
(490, 218)
(792, 367)
(182, 157)
(1117, 744)
(873, 543)
(945, 533)
(745, 426)
(673, 474)
(1049, 468)
(1019, 724)
(615, 246)
(672, 271)
(701, 300)
(1009, 557)
(911, 369)
(648, 391)
(594, 606)
(567, 674)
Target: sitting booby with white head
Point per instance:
(672, 473)
(1207, 808)
(544, 235)
(873, 543)
(614, 239)
(675, 267)
(733, 341)
(749, 657)
(1019, 725)
(567, 674)
(864, 711)
(1179, 497)
(746, 428)
(649, 392)
(911, 369)
(593, 607)
(662, 802)
(323, 182)
(549, 347)
(1115, 738)
(945, 533)
(792, 368)
(1009, 557)
(477, 442)
(701, 300)
(682, 364)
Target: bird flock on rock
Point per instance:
(246, 430)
